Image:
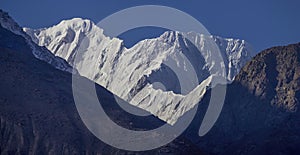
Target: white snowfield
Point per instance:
(137, 74)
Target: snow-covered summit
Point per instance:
(64, 39)
(39, 52)
(135, 73)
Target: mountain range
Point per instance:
(38, 114)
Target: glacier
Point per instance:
(147, 74)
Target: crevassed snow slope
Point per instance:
(133, 73)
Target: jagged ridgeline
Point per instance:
(130, 72)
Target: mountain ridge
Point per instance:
(140, 67)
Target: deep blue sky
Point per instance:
(263, 23)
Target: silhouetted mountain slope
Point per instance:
(38, 114)
(260, 113)
(39, 52)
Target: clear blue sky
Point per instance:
(263, 23)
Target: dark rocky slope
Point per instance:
(260, 114)
(274, 76)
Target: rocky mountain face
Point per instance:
(260, 114)
(274, 76)
(38, 113)
(133, 73)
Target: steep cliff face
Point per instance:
(274, 75)
(260, 113)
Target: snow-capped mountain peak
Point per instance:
(64, 39)
(132, 73)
